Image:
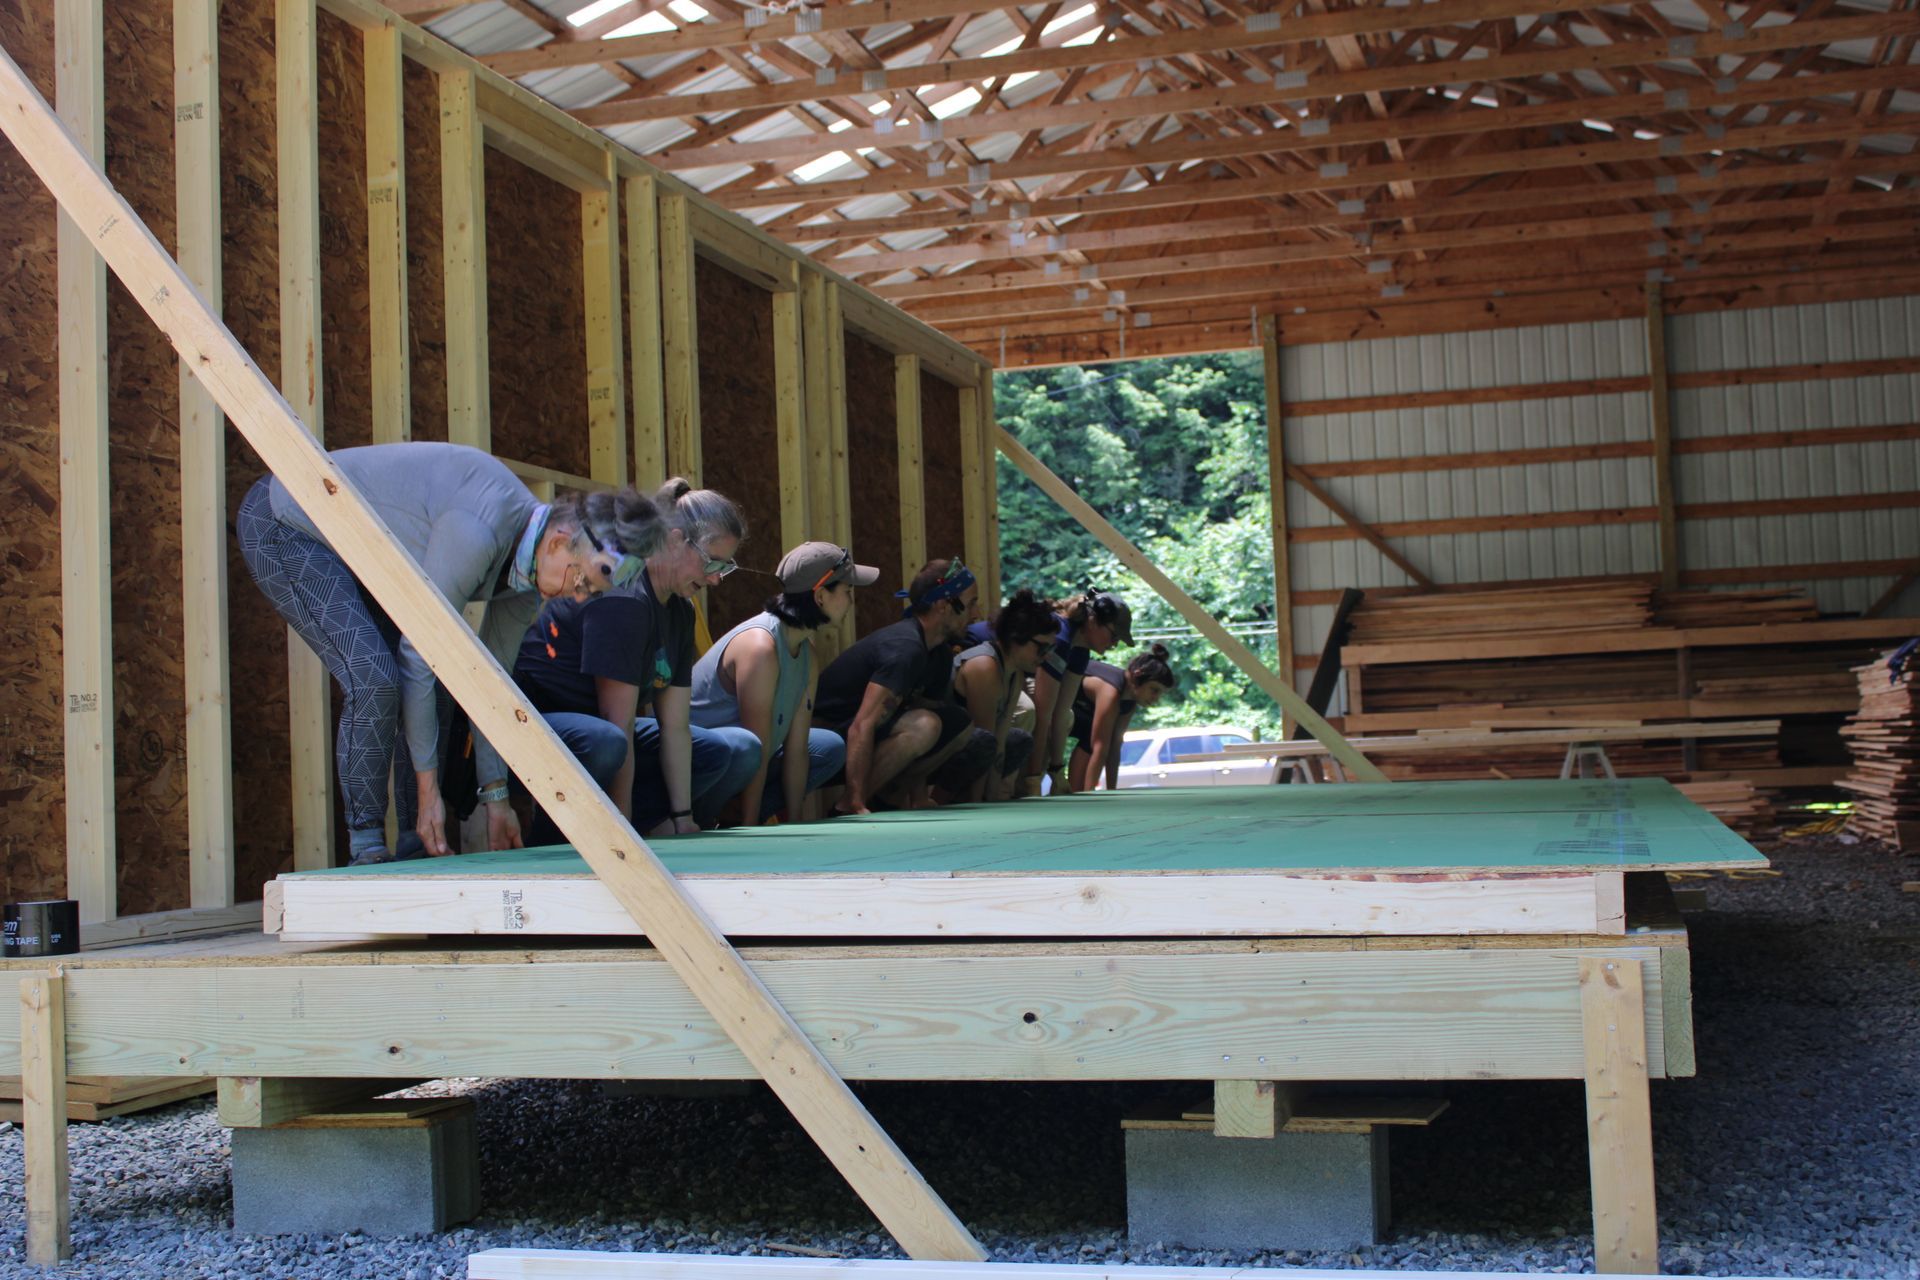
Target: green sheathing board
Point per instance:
(1639, 824)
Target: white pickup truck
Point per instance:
(1150, 758)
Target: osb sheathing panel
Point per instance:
(739, 448)
(873, 459)
(536, 318)
(940, 464)
(32, 813)
(426, 273)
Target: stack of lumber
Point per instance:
(103, 1097)
(1703, 608)
(1629, 760)
(1739, 804)
(1885, 737)
(1613, 606)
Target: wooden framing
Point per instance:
(43, 1108)
(387, 237)
(1281, 691)
(700, 957)
(1660, 402)
(606, 383)
(1620, 1135)
(86, 578)
(790, 409)
(463, 232)
(913, 497)
(203, 466)
(828, 484)
(679, 341)
(1279, 521)
(644, 329)
(297, 142)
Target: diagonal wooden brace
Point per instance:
(743, 1007)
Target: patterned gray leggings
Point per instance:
(312, 588)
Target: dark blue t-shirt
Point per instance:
(624, 635)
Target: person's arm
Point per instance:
(756, 678)
(1114, 739)
(618, 702)
(1106, 715)
(877, 705)
(670, 707)
(1046, 694)
(460, 549)
(1070, 685)
(795, 764)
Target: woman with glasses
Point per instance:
(482, 538)
(762, 676)
(592, 668)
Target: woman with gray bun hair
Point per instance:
(614, 675)
(482, 538)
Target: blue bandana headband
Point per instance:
(951, 587)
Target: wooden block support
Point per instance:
(680, 338)
(43, 1094)
(1251, 1108)
(384, 66)
(1275, 687)
(1619, 1117)
(1660, 399)
(606, 374)
(463, 251)
(86, 573)
(643, 325)
(257, 1102)
(203, 466)
(778, 1047)
(790, 412)
(913, 489)
(1277, 491)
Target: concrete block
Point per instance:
(1187, 1187)
(386, 1168)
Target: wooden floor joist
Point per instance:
(778, 1047)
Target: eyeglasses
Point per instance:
(846, 558)
(714, 568)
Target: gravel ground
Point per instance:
(1796, 1151)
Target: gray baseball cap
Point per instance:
(819, 564)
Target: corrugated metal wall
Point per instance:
(1609, 349)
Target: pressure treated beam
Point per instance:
(86, 577)
(1660, 402)
(389, 340)
(297, 152)
(910, 452)
(644, 328)
(712, 970)
(463, 254)
(1237, 653)
(680, 337)
(1619, 1116)
(203, 466)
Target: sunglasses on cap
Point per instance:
(846, 558)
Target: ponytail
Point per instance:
(626, 523)
(1152, 667)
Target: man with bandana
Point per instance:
(878, 695)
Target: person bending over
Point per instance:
(1089, 623)
(1108, 699)
(761, 676)
(482, 538)
(988, 679)
(592, 667)
(875, 693)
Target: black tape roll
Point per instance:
(50, 928)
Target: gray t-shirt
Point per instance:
(460, 514)
(714, 706)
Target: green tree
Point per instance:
(1173, 453)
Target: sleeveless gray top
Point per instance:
(713, 705)
(985, 649)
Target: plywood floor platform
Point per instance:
(1399, 859)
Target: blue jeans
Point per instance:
(826, 756)
(723, 763)
(598, 745)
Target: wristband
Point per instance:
(680, 813)
(494, 794)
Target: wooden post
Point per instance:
(1277, 491)
(830, 514)
(43, 1115)
(86, 570)
(385, 67)
(990, 466)
(1619, 1117)
(643, 323)
(792, 1066)
(790, 414)
(680, 338)
(1662, 403)
(203, 466)
(913, 487)
(463, 251)
(1251, 1108)
(973, 485)
(606, 379)
(297, 136)
(1276, 688)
